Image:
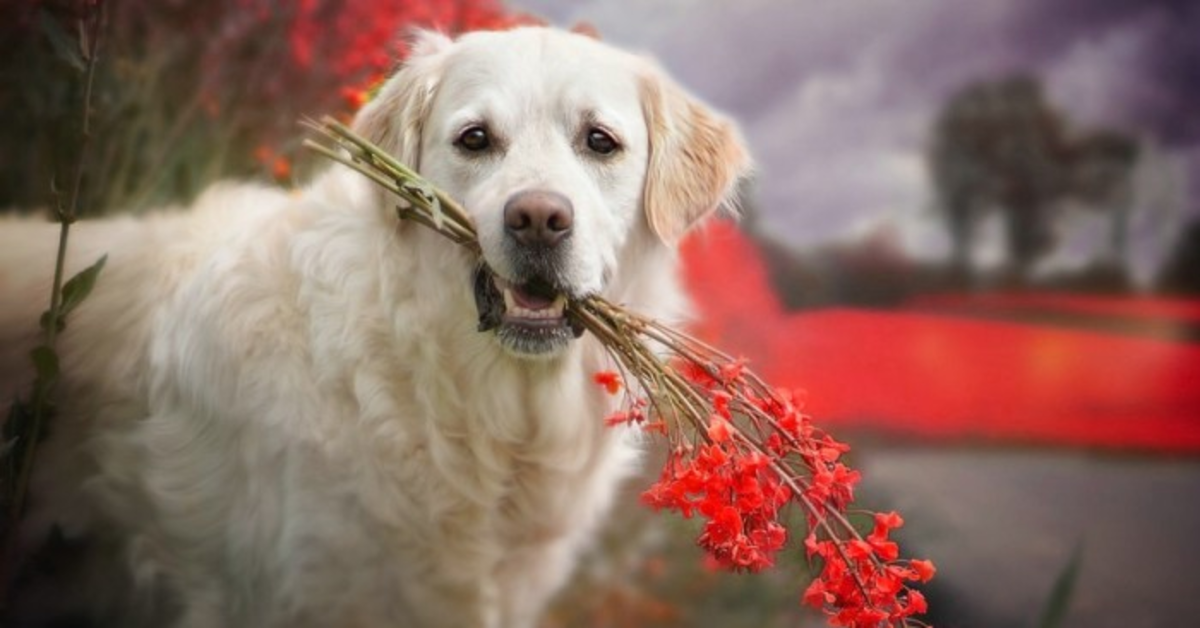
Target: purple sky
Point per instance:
(836, 97)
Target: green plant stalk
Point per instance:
(91, 25)
(1059, 602)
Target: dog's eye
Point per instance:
(599, 141)
(474, 139)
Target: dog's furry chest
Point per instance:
(464, 498)
(485, 445)
(427, 469)
(435, 458)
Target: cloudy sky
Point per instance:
(836, 98)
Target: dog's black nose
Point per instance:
(538, 217)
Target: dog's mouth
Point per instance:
(529, 318)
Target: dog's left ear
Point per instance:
(697, 158)
(395, 118)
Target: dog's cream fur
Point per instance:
(276, 410)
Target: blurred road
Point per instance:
(1002, 524)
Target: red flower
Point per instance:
(884, 523)
(696, 374)
(924, 569)
(916, 603)
(281, 169)
(620, 417)
(718, 429)
(355, 97)
(610, 380)
(733, 370)
(816, 596)
(859, 550)
(659, 427)
(720, 403)
(888, 520)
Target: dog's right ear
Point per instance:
(395, 118)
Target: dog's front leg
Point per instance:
(529, 577)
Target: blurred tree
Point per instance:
(999, 143)
(1181, 275)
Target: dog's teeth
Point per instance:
(514, 310)
(554, 311)
(521, 312)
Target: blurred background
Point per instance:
(973, 239)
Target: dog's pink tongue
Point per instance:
(531, 301)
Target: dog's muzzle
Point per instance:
(529, 313)
(528, 318)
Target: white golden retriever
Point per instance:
(294, 410)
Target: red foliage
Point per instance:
(270, 64)
(356, 42)
(936, 369)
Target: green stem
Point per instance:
(89, 23)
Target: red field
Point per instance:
(966, 367)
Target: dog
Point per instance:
(278, 409)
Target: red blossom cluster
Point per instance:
(756, 453)
(862, 582)
(280, 166)
(737, 495)
(309, 57)
(358, 41)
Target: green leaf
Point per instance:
(66, 48)
(45, 363)
(1060, 596)
(79, 287)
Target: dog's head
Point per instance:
(562, 149)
